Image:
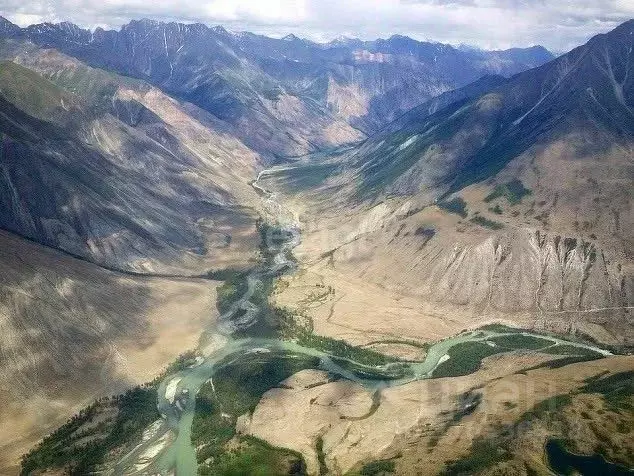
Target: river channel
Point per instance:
(166, 447)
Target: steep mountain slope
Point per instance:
(112, 170)
(72, 332)
(513, 204)
(586, 92)
(470, 91)
(283, 97)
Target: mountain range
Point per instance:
(283, 97)
(437, 188)
(510, 197)
(180, 164)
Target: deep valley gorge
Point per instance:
(224, 253)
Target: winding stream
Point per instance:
(166, 446)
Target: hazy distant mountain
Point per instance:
(370, 83)
(289, 96)
(200, 65)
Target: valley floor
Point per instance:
(270, 404)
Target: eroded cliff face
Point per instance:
(563, 283)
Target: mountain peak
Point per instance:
(400, 38)
(220, 30)
(71, 28)
(625, 28)
(343, 40)
(7, 27)
(143, 23)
